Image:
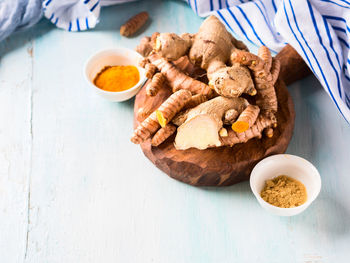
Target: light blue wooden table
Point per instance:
(74, 189)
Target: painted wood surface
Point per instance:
(74, 189)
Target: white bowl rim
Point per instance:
(295, 157)
(140, 70)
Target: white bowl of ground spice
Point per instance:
(114, 73)
(285, 184)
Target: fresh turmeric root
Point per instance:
(142, 114)
(150, 70)
(185, 65)
(146, 129)
(151, 103)
(275, 70)
(246, 119)
(266, 98)
(265, 70)
(195, 101)
(255, 131)
(231, 71)
(156, 84)
(143, 62)
(265, 54)
(134, 24)
(150, 124)
(177, 79)
(172, 106)
(162, 134)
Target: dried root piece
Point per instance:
(246, 119)
(150, 70)
(134, 24)
(203, 123)
(146, 129)
(266, 98)
(230, 116)
(179, 80)
(255, 131)
(156, 84)
(171, 106)
(162, 134)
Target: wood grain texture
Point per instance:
(15, 147)
(94, 197)
(218, 166)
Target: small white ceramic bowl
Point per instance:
(113, 57)
(292, 166)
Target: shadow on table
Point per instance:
(241, 188)
(115, 16)
(328, 214)
(21, 38)
(129, 104)
(112, 17)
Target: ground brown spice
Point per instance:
(284, 191)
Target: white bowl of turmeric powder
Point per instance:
(114, 73)
(285, 184)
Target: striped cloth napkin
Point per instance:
(318, 29)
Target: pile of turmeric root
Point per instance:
(221, 94)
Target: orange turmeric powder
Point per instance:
(117, 78)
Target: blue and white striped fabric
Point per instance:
(76, 15)
(318, 29)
